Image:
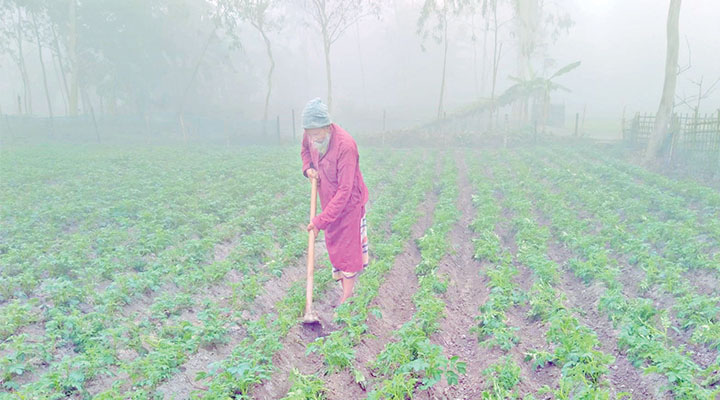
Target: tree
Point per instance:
(8, 35)
(693, 101)
(539, 89)
(333, 18)
(73, 55)
(142, 46)
(534, 23)
(665, 109)
(497, 51)
(258, 14)
(440, 11)
(14, 28)
(36, 12)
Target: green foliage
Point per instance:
(643, 328)
(399, 387)
(128, 272)
(156, 238)
(413, 356)
(539, 358)
(502, 377)
(305, 387)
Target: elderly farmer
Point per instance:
(330, 155)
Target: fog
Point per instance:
(172, 58)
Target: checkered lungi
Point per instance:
(336, 273)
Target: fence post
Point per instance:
(147, 124)
(717, 139)
(226, 132)
(577, 119)
(675, 133)
(634, 128)
(7, 123)
(92, 114)
(383, 129)
(182, 127)
(507, 131)
(277, 129)
(293, 125)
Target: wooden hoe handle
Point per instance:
(311, 250)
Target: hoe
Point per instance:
(311, 316)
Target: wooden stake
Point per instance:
(293, 125)
(182, 127)
(577, 117)
(277, 129)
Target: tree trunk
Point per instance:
(528, 15)
(270, 73)
(72, 55)
(442, 83)
(496, 61)
(362, 66)
(23, 68)
(63, 73)
(42, 67)
(483, 84)
(475, 57)
(57, 68)
(668, 95)
(181, 107)
(87, 104)
(327, 69)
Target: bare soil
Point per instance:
(394, 300)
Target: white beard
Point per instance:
(321, 147)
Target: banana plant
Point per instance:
(537, 88)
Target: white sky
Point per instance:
(622, 45)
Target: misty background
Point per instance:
(158, 59)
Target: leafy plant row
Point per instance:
(97, 218)
(492, 329)
(93, 333)
(661, 218)
(583, 366)
(413, 362)
(251, 361)
(251, 283)
(399, 207)
(693, 311)
(97, 334)
(643, 327)
(136, 276)
(160, 341)
(688, 189)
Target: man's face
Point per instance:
(318, 135)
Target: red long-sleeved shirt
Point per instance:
(343, 195)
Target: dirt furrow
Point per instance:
(531, 332)
(394, 300)
(467, 290)
(182, 384)
(632, 276)
(623, 376)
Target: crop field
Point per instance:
(533, 273)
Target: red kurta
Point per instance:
(343, 195)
